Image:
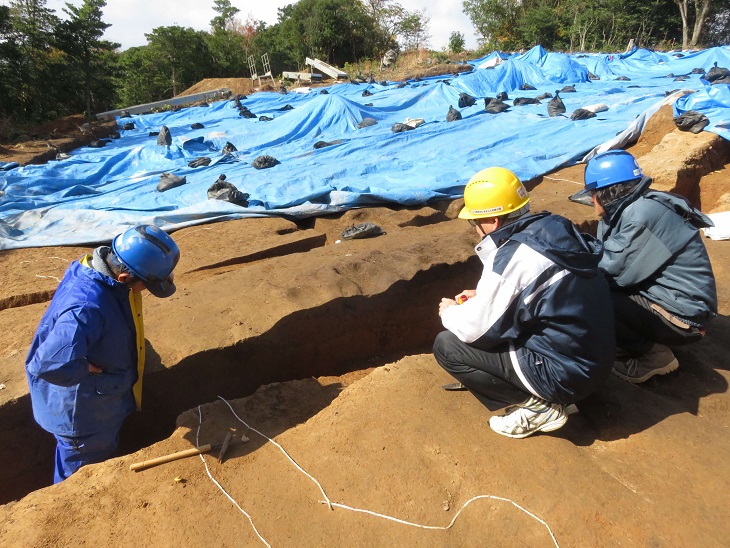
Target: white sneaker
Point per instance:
(528, 417)
(658, 361)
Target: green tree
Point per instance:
(91, 67)
(180, 57)
(495, 21)
(395, 26)
(414, 30)
(226, 15)
(456, 42)
(35, 67)
(337, 31)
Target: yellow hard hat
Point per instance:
(493, 192)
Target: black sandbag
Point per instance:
(164, 138)
(527, 87)
(323, 92)
(556, 105)
(718, 75)
(264, 162)
(383, 83)
(567, 89)
(681, 78)
(544, 96)
(502, 96)
(488, 100)
(287, 107)
(198, 162)
(323, 144)
(366, 122)
(495, 107)
(670, 75)
(203, 104)
(398, 128)
(698, 70)
(582, 114)
(125, 114)
(282, 90)
(237, 103)
(366, 93)
(623, 79)
(691, 121)
(128, 126)
(466, 100)
(592, 76)
(223, 190)
(401, 85)
(371, 80)
(362, 230)
(453, 114)
(153, 133)
(246, 113)
(263, 118)
(197, 125)
(169, 180)
(97, 144)
(519, 101)
(228, 148)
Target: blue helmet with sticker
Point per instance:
(611, 168)
(151, 255)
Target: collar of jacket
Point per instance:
(613, 211)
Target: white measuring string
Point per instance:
(333, 505)
(564, 180)
(197, 434)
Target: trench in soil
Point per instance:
(342, 335)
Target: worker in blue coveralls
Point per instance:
(537, 331)
(86, 360)
(662, 284)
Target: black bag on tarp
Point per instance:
(556, 105)
(164, 138)
(691, 121)
(223, 190)
(265, 162)
(466, 100)
(453, 115)
(169, 180)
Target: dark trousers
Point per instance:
(638, 327)
(488, 374)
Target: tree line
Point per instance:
(599, 25)
(52, 67)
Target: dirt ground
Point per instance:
(324, 348)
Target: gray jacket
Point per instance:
(652, 246)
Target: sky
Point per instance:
(131, 19)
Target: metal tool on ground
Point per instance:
(454, 386)
(137, 466)
(225, 444)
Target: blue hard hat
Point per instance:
(151, 255)
(610, 168)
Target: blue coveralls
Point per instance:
(90, 319)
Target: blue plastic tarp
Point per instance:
(97, 193)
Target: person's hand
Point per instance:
(465, 295)
(444, 304)
(93, 369)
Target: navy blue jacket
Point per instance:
(541, 292)
(89, 320)
(652, 246)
